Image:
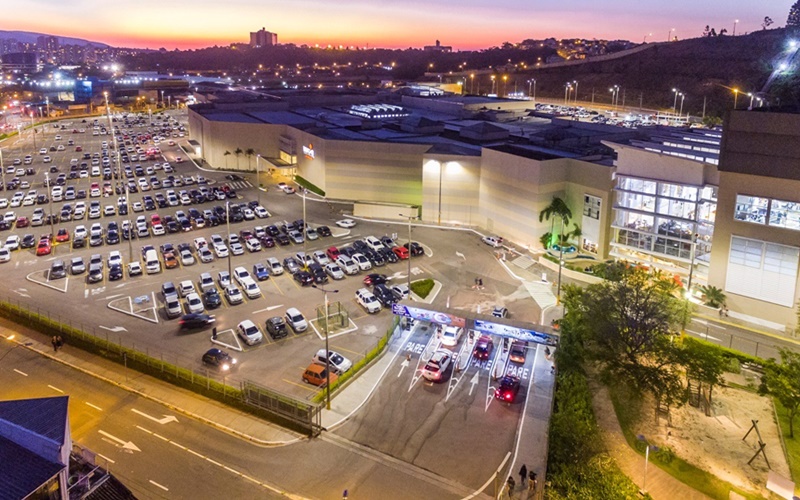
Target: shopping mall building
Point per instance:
(711, 208)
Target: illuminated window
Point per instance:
(785, 214)
(591, 206)
(751, 209)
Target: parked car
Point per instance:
(249, 332)
(508, 389)
(219, 359)
(316, 374)
(276, 327)
(296, 320)
(337, 362)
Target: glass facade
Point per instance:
(664, 219)
(758, 210)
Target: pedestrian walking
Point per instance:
(511, 485)
(54, 341)
(532, 482)
(523, 474)
(59, 342)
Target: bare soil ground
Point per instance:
(715, 443)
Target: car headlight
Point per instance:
(225, 367)
(233, 361)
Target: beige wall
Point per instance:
(592, 179)
(726, 226)
(216, 137)
(650, 165)
(459, 179)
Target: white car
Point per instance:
(253, 245)
(450, 335)
(438, 364)
(187, 259)
(233, 294)
(80, 232)
(134, 269)
(261, 212)
(249, 332)
(334, 271)
(347, 264)
(240, 274)
(251, 288)
(221, 250)
(274, 265)
(5, 254)
(114, 258)
(339, 363)
(12, 242)
(493, 241)
(185, 288)
(237, 248)
(346, 223)
(158, 229)
(194, 304)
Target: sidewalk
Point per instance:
(660, 485)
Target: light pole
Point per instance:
(472, 83)
(735, 101)
(669, 36)
(127, 213)
(493, 80)
(505, 85)
(162, 98)
(2, 168)
(675, 101)
(408, 278)
(734, 26)
(645, 37)
(258, 176)
(576, 91)
(750, 94)
(441, 168)
(683, 96)
(50, 199)
(327, 349)
(567, 88)
(169, 102)
(33, 130)
(303, 229)
(560, 259)
(228, 225)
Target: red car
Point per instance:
(509, 387)
(23, 222)
(78, 149)
(332, 253)
(401, 252)
(62, 235)
(155, 219)
(483, 348)
(44, 248)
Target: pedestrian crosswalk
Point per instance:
(240, 184)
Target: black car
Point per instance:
(112, 238)
(375, 279)
(348, 250)
(375, 258)
(115, 272)
(219, 359)
(196, 321)
(303, 277)
(79, 242)
(276, 327)
(388, 255)
(360, 246)
(273, 230)
(319, 274)
(28, 241)
(509, 387)
(384, 295)
(324, 231)
(282, 240)
(415, 250)
(212, 299)
(483, 347)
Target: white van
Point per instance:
(373, 242)
(151, 262)
(57, 193)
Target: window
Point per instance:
(637, 185)
(785, 214)
(762, 270)
(678, 191)
(591, 206)
(751, 209)
(641, 202)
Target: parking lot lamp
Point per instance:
(327, 349)
(258, 176)
(127, 212)
(683, 96)
(50, 199)
(410, 218)
(305, 223)
(675, 101)
(735, 100)
(2, 168)
(228, 225)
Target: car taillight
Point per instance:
(508, 396)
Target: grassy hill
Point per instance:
(699, 67)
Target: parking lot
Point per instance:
(131, 309)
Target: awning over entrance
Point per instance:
(280, 163)
(502, 327)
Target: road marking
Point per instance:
(178, 445)
(21, 373)
(112, 296)
(106, 458)
(270, 308)
(160, 486)
(231, 470)
(115, 329)
(167, 418)
(304, 386)
(473, 383)
(160, 437)
(143, 429)
(704, 335)
(127, 445)
(403, 366)
(56, 389)
(213, 462)
(94, 406)
(195, 453)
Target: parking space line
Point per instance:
(300, 385)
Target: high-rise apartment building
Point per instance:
(263, 38)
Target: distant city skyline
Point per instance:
(464, 24)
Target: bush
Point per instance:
(422, 287)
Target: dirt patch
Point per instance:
(714, 443)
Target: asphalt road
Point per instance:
(158, 456)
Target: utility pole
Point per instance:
(704, 106)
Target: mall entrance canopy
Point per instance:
(481, 323)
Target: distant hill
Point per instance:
(699, 67)
(30, 37)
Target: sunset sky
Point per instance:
(464, 24)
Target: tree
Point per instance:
(793, 21)
(238, 153)
(767, 22)
(712, 296)
(782, 381)
(707, 31)
(704, 363)
(556, 208)
(249, 153)
(629, 325)
(226, 155)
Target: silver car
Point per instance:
(334, 271)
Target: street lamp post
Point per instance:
(493, 81)
(560, 260)
(567, 88)
(472, 83)
(130, 226)
(441, 168)
(327, 349)
(675, 101)
(734, 26)
(2, 168)
(303, 229)
(50, 199)
(669, 36)
(258, 176)
(750, 94)
(408, 278)
(576, 91)
(735, 100)
(683, 96)
(228, 225)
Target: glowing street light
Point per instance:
(675, 101)
(669, 36)
(735, 97)
(734, 26)
(532, 81)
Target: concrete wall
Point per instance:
(595, 180)
(457, 178)
(650, 165)
(217, 137)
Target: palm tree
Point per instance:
(238, 153)
(226, 155)
(556, 208)
(249, 153)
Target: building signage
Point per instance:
(426, 315)
(514, 332)
(308, 151)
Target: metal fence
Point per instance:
(303, 414)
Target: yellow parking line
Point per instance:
(347, 350)
(304, 386)
(272, 279)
